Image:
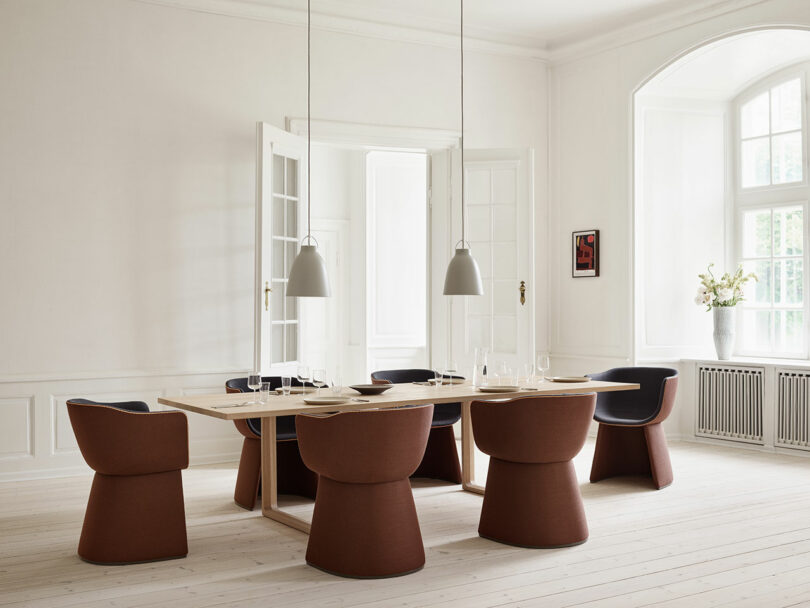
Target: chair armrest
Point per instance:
(668, 391)
(116, 442)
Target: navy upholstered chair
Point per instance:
(441, 457)
(293, 476)
(631, 440)
(135, 512)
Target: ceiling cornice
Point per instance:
(563, 51)
(419, 31)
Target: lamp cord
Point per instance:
(309, 124)
(462, 123)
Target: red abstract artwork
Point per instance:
(586, 253)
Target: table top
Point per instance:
(400, 394)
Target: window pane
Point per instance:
(278, 343)
(788, 286)
(278, 174)
(292, 219)
(292, 177)
(278, 216)
(788, 231)
(292, 249)
(786, 107)
(292, 342)
(756, 330)
(277, 301)
(754, 117)
(759, 292)
(787, 158)
(757, 233)
(789, 331)
(756, 163)
(278, 259)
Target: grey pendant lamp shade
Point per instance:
(308, 276)
(463, 277)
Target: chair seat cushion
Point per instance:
(285, 427)
(621, 418)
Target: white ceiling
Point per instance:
(534, 23)
(720, 71)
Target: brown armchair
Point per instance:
(135, 512)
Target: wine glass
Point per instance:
(319, 379)
(254, 383)
(543, 365)
(303, 375)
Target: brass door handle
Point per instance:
(522, 293)
(267, 291)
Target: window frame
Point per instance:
(773, 196)
(765, 86)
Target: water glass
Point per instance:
(264, 395)
(450, 371)
(337, 384)
(286, 382)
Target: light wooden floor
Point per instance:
(733, 530)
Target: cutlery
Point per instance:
(360, 400)
(219, 407)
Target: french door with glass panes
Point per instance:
(280, 206)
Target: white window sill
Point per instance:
(771, 362)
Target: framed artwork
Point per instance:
(585, 262)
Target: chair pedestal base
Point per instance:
(293, 476)
(632, 450)
(533, 505)
(137, 518)
(365, 530)
(441, 457)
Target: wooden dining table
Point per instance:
(234, 406)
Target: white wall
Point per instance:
(591, 180)
(127, 187)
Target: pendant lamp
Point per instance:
(308, 276)
(463, 277)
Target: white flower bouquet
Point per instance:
(728, 291)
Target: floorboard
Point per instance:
(733, 530)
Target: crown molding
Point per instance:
(584, 44)
(425, 31)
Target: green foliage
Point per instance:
(727, 291)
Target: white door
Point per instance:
(500, 231)
(323, 335)
(280, 207)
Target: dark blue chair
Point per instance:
(441, 457)
(293, 475)
(631, 440)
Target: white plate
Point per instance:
(569, 379)
(498, 389)
(325, 400)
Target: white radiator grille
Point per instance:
(793, 410)
(730, 403)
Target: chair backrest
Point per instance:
(403, 376)
(653, 400)
(373, 446)
(128, 406)
(533, 429)
(116, 440)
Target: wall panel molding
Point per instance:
(37, 441)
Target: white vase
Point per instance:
(723, 331)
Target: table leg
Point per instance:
(468, 452)
(270, 507)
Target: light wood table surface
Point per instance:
(399, 395)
